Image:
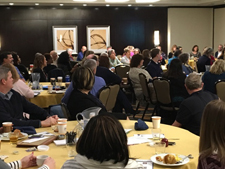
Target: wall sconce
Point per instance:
(156, 38)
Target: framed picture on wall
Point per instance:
(65, 37)
(98, 38)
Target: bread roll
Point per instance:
(169, 159)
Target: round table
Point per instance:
(188, 143)
(45, 99)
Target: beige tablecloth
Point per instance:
(45, 99)
(187, 144)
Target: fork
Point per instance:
(188, 156)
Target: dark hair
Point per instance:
(146, 53)
(38, 61)
(15, 58)
(135, 60)
(175, 69)
(63, 58)
(104, 139)
(4, 55)
(104, 61)
(154, 52)
(194, 47)
(47, 56)
(88, 52)
(177, 53)
(183, 57)
(83, 78)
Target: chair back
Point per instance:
(114, 89)
(108, 96)
(122, 70)
(55, 73)
(144, 86)
(104, 94)
(162, 89)
(196, 67)
(220, 86)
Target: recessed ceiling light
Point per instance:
(107, 5)
(150, 5)
(11, 3)
(129, 5)
(60, 4)
(116, 1)
(146, 1)
(84, 0)
(84, 4)
(36, 3)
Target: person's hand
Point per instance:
(48, 122)
(50, 162)
(55, 117)
(28, 161)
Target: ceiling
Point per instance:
(161, 3)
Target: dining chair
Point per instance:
(121, 70)
(148, 94)
(220, 86)
(104, 94)
(163, 97)
(65, 111)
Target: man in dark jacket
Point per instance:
(13, 105)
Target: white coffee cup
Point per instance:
(62, 120)
(50, 87)
(62, 127)
(156, 122)
(40, 159)
(60, 81)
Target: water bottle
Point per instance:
(67, 79)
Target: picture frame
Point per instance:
(65, 37)
(98, 38)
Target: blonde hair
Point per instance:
(212, 131)
(218, 67)
(174, 46)
(13, 70)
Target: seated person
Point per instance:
(212, 136)
(39, 64)
(216, 72)
(113, 60)
(184, 58)
(126, 58)
(12, 105)
(135, 69)
(176, 76)
(154, 67)
(102, 144)
(176, 54)
(6, 57)
(80, 98)
(17, 63)
(49, 66)
(205, 59)
(190, 113)
(26, 162)
(18, 85)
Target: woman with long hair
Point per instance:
(184, 58)
(173, 50)
(212, 136)
(176, 77)
(146, 57)
(103, 144)
(216, 72)
(39, 64)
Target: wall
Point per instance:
(29, 30)
(190, 26)
(219, 27)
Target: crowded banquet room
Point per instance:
(112, 84)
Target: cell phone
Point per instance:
(171, 143)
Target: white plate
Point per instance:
(153, 158)
(7, 138)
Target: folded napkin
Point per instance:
(140, 125)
